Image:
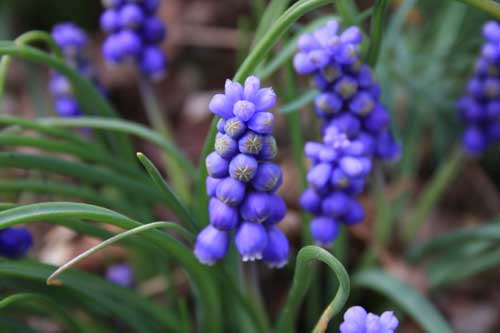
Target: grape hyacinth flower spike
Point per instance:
(479, 109)
(135, 33)
(15, 242)
(355, 128)
(242, 179)
(357, 320)
(72, 40)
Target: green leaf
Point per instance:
(47, 305)
(301, 282)
(302, 101)
(173, 201)
(202, 280)
(272, 11)
(123, 126)
(410, 300)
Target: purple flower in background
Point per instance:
(72, 40)
(357, 320)
(15, 242)
(121, 274)
(479, 109)
(355, 129)
(242, 181)
(134, 34)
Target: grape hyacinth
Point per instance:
(355, 128)
(479, 109)
(121, 274)
(134, 33)
(72, 41)
(357, 320)
(242, 181)
(15, 242)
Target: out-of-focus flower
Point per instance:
(357, 320)
(121, 274)
(15, 242)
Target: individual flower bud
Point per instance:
(243, 167)
(220, 125)
(327, 104)
(112, 49)
(153, 30)
(244, 110)
(222, 216)
(303, 64)
(251, 240)
(310, 200)
(387, 147)
(278, 209)
(362, 103)
(233, 91)
(70, 38)
(235, 127)
(492, 87)
(474, 140)
(60, 86)
(365, 77)
(131, 16)
(336, 204)
(262, 123)
(268, 177)
(312, 149)
(269, 148)
(256, 207)
(230, 191)
(354, 214)
(347, 124)
(336, 138)
(211, 185)
(346, 87)
(130, 42)
(251, 87)
(211, 245)
(250, 143)
(306, 42)
(355, 167)
(356, 186)
(339, 179)
(217, 167)
(491, 31)
(153, 63)
(492, 110)
(225, 146)
(265, 99)
(109, 21)
(324, 230)
(277, 249)
(121, 274)
(377, 120)
(348, 55)
(351, 35)
(15, 242)
(363, 145)
(221, 106)
(150, 6)
(319, 175)
(67, 107)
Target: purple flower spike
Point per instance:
(121, 274)
(247, 199)
(251, 241)
(211, 245)
(277, 249)
(15, 242)
(357, 320)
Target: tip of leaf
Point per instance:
(139, 154)
(54, 282)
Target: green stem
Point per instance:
(27, 38)
(376, 31)
(489, 6)
(259, 52)
(433, 192)
(176, 171)
(301, 281)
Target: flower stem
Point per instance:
(433, 192)
(176, 172)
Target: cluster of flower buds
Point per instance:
(15, 242)
(135, 33)
(242, 180)
(480, 108)
(121, 274)
(72, 40)
(355, 128)
(357, 320)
